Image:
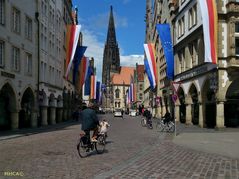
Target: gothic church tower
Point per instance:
(111, 59)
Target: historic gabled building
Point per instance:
(120, 86)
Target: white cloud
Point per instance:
(95, 49)
(131, 60)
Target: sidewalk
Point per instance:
(30, 131)
(224, 142)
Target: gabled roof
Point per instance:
(124, 76)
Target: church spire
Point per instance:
(111, 57)
(111, 36)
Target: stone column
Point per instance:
(69, 114)
(59, 112)
(177, 114)
(220, 115)
(64, 114)
(188, 114)
(44, 116)
(201, 117)
(33, 118)
(52, 115)
(14, 120)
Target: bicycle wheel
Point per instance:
(83, 149)
(171, 127)
(100, 144)
(160, 126)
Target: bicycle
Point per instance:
(85, 145)
(168, 126)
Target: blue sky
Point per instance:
(130, 28)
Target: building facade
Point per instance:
(208, 95)
(17, 65)
(33, 39)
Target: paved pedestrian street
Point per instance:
(132, 151)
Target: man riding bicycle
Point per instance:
(90, 121)
(167, 117)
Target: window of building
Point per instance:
(116, 104)
(179, 28)
(117, 91)
(16, 20)
(190, 60)
(15, 59)
(192, 17)
(2, 12)
(181, 57)
(237, 46)
(237, 27)
(140, 96)
(182, 26)
(141, 87)
(28, 65)
(28, 28)
(2, 53)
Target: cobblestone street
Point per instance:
(131, 152)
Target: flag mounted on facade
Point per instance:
(209, 20)
(149, 74)
(84, 66)
(166, 42)
(132, 89)
(98, 90)
(93, 87)
(80, 50)
(151, 67)
(90, 72)
(72, 37)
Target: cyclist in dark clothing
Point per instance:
(148, 116)
(90, 121)
(167, 117)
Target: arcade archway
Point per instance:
(194, 106)
(209, 105)
(231, 107)
(7, 105)
(27, 105)
(182, 108)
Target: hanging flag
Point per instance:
(73, 32)
(149, 74)
(80, 50)
(209, 20)
(88, 81)
(166, 42)
(132, 91)
(150, 54)
(84, 66)
(128, 96)
(98, 91)
(93, 87)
